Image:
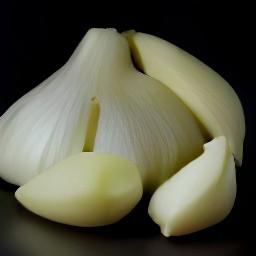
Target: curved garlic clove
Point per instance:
(206, 93)
(140, 118)
(87, 190)
(200, 195)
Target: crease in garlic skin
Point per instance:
(140, 118)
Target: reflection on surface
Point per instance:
(25, 234)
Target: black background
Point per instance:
(38, 37)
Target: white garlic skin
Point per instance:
(140, 118)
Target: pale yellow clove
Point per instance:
(208, 95)
(200, 195)
(87, 189)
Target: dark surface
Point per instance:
(38, 37)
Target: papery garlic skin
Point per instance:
(140, 118)
(209, 96)
(85, 190)
(200, 195)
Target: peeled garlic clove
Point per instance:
(139, 117)
(87, 189)
(206, 93)
(200, 195)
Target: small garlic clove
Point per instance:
(200, 195)
(87, 189)
(206, 93)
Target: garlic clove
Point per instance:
(209, 96)
(137, 116)
(200, 195)
(86, 189)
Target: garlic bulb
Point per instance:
(139, 117)
(88, 141)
